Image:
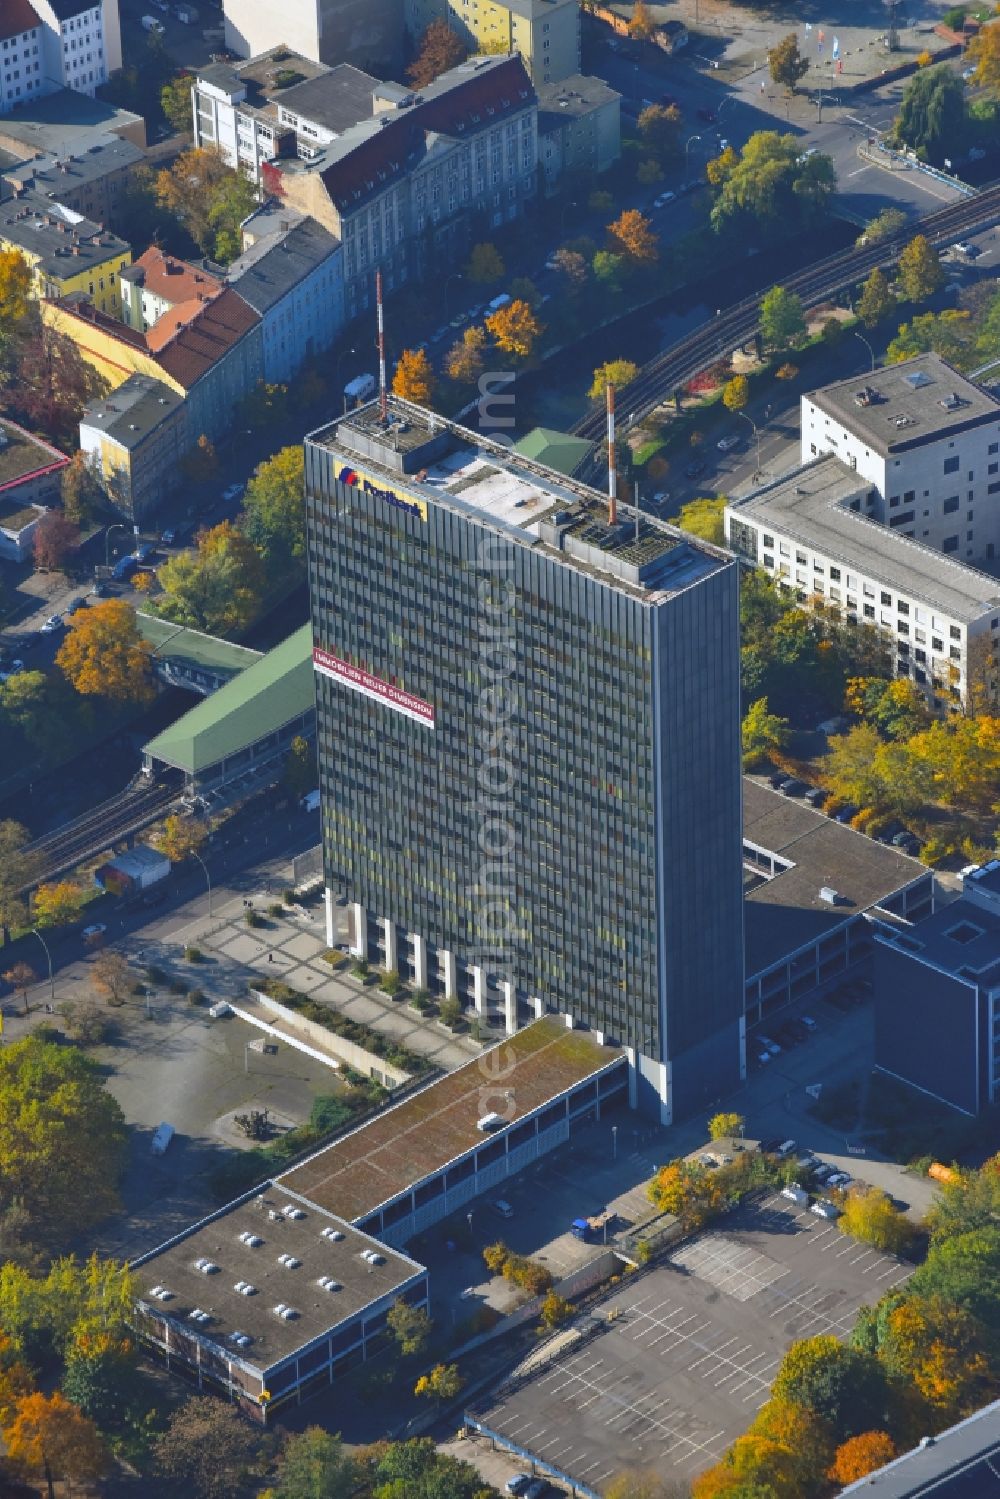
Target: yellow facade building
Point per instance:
(67, 253)
(546, 33)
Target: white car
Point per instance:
(768, 1045)
(809, 1023)
(13, 670)
(664, 199)
(726, 444)
(52, 624)
(92, 932)
(232, 492)
(963, 247)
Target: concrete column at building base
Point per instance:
(509, 1006)
(419, 961)
(569, 1022)
(328, 904)
(633, 1080)
(391, 945)
(359, 930)
(479, 990)
(449, 970)
(537, 1006)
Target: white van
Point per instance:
(162, 1138)
(310, 802)
(360, 388)
(503, 1208)
(152, 25)
(500, 301)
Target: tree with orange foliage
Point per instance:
(440, 49)
(464, 362)
(937, 1347)
(55, 537)
(515, 329)
(50, 1436)
(414, 378)
(15, 1379)
(688, 1191)
(632, 236)
(104, 654)
(861, 1455)
(800, 1431)
(641, 26)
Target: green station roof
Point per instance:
(191, 649)
(262, 699)
(557, 450)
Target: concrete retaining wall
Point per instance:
(349, 1052)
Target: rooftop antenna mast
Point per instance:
(612, 459)
(383, 393)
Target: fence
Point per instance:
(307, 868)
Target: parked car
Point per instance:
(809, 1024)
(792, 787)
(726, 444)
(900, 840)
(232, 492)
(459, 320)
(169, 536)
(816, 796)
(696, 469)
(518, 1484)
(846, 813)
(778, 779)
(77, 604)
(824, 1209)
(53, 624)
(664, 199)
(839, 1179)
(769, 1045)
(93, 931)
(822, 1173)
(100, 590)
(770, 1145)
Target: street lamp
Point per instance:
(52, 983)
(756, 434)
(614, 1142)
(687, 148)
(867, 345)
(347, 353)
(455, 276)
(208, 879)
(118, 526)
(562, 215)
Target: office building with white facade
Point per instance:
(367, 33)
(528, 744)
(52, 44)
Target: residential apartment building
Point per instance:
(546, 33)
(814, 530)
(579, 128)
(157, 284)
(528, 741)
(404, 190)
(252, 114)
(937, 998)
(291, 274)
(67, 253)
(928, 441)
(64, 124)
(367, 33)
(30, 473)
(90, 181)
(136, 438)
(53, 44)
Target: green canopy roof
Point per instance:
(192, 649)
(558, 450)
(262, 699)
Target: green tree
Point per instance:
(314, 1465)
(607, 269)
(49, 1314)
(964, 1271)
(769, 186)
(704, 518)
(301, 772)
(274, 508)
(415, 1470)
(410, 1326)
(876, 301)
(786, 62)
(80, 489)
(849, 767)
(175, 101)
(970, 1201)
(659, 126)
(920, 273)
(99, 1377)
(218, 588)
(209, 198)
(951, 333)
(932, 117)
(736, 393)
(890, 222)
(843, 1386)
(62, 1138)
(442, 1383)
(18, 868)
(616, 372)
(207, 1449)
(725, 1126)
(762, 733)
(485, 265)
(782, 320)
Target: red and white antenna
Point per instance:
(612, 460)
(383, 392)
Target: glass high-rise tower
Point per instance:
(529, 744)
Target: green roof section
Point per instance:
(558, 450)
(277, 688)
(190, 649)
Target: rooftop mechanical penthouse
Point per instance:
(528, 732)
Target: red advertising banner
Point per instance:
(373, 687)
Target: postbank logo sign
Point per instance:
(356, 480)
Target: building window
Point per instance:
(950, 504)
(950, 544)
(954, 632)
(835, 574)
(952, 465)
(886, 598)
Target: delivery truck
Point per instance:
(361, 388)
(593, 1228)
(133, 873)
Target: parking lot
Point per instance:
(689, 1348)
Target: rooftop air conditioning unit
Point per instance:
(207, 1267)
(333, 1234)
(489, 1122)
(831, 896)
(253, 1241)
(292, 1212)
(275, 1216)
(328, 1283)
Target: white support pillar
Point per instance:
(633, 1080)
(359, 934)
(569, 1022)
(537, 1006)
(449, 969)
(391, 945)
(599, 1037)
(479, 991)
(509, 1006)
(328, 905)
(419, 961)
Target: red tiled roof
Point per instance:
(467, 107)
(202, 342)
(172, 279)
(16, 16)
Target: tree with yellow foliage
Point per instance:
(616, 372)
(984, 51)
(414, 378)
(736, 393)
(800, 1432)
(464, 362)
(721, 167)
(15, 304)
(688, 1191)
(870, 1214)
(515, 329)
(442, 1383)
(181, 837)
(631, 235)
(51, 1438)
(104, 654)
(641, 26)
(57, 904)
(219, 588)
(861, 1455)
(937, 1347)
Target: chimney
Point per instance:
(383, 394)
(612, 459)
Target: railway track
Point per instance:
(103, 826)
(737, 324)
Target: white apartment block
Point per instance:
(47, 45)
(928, 440)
